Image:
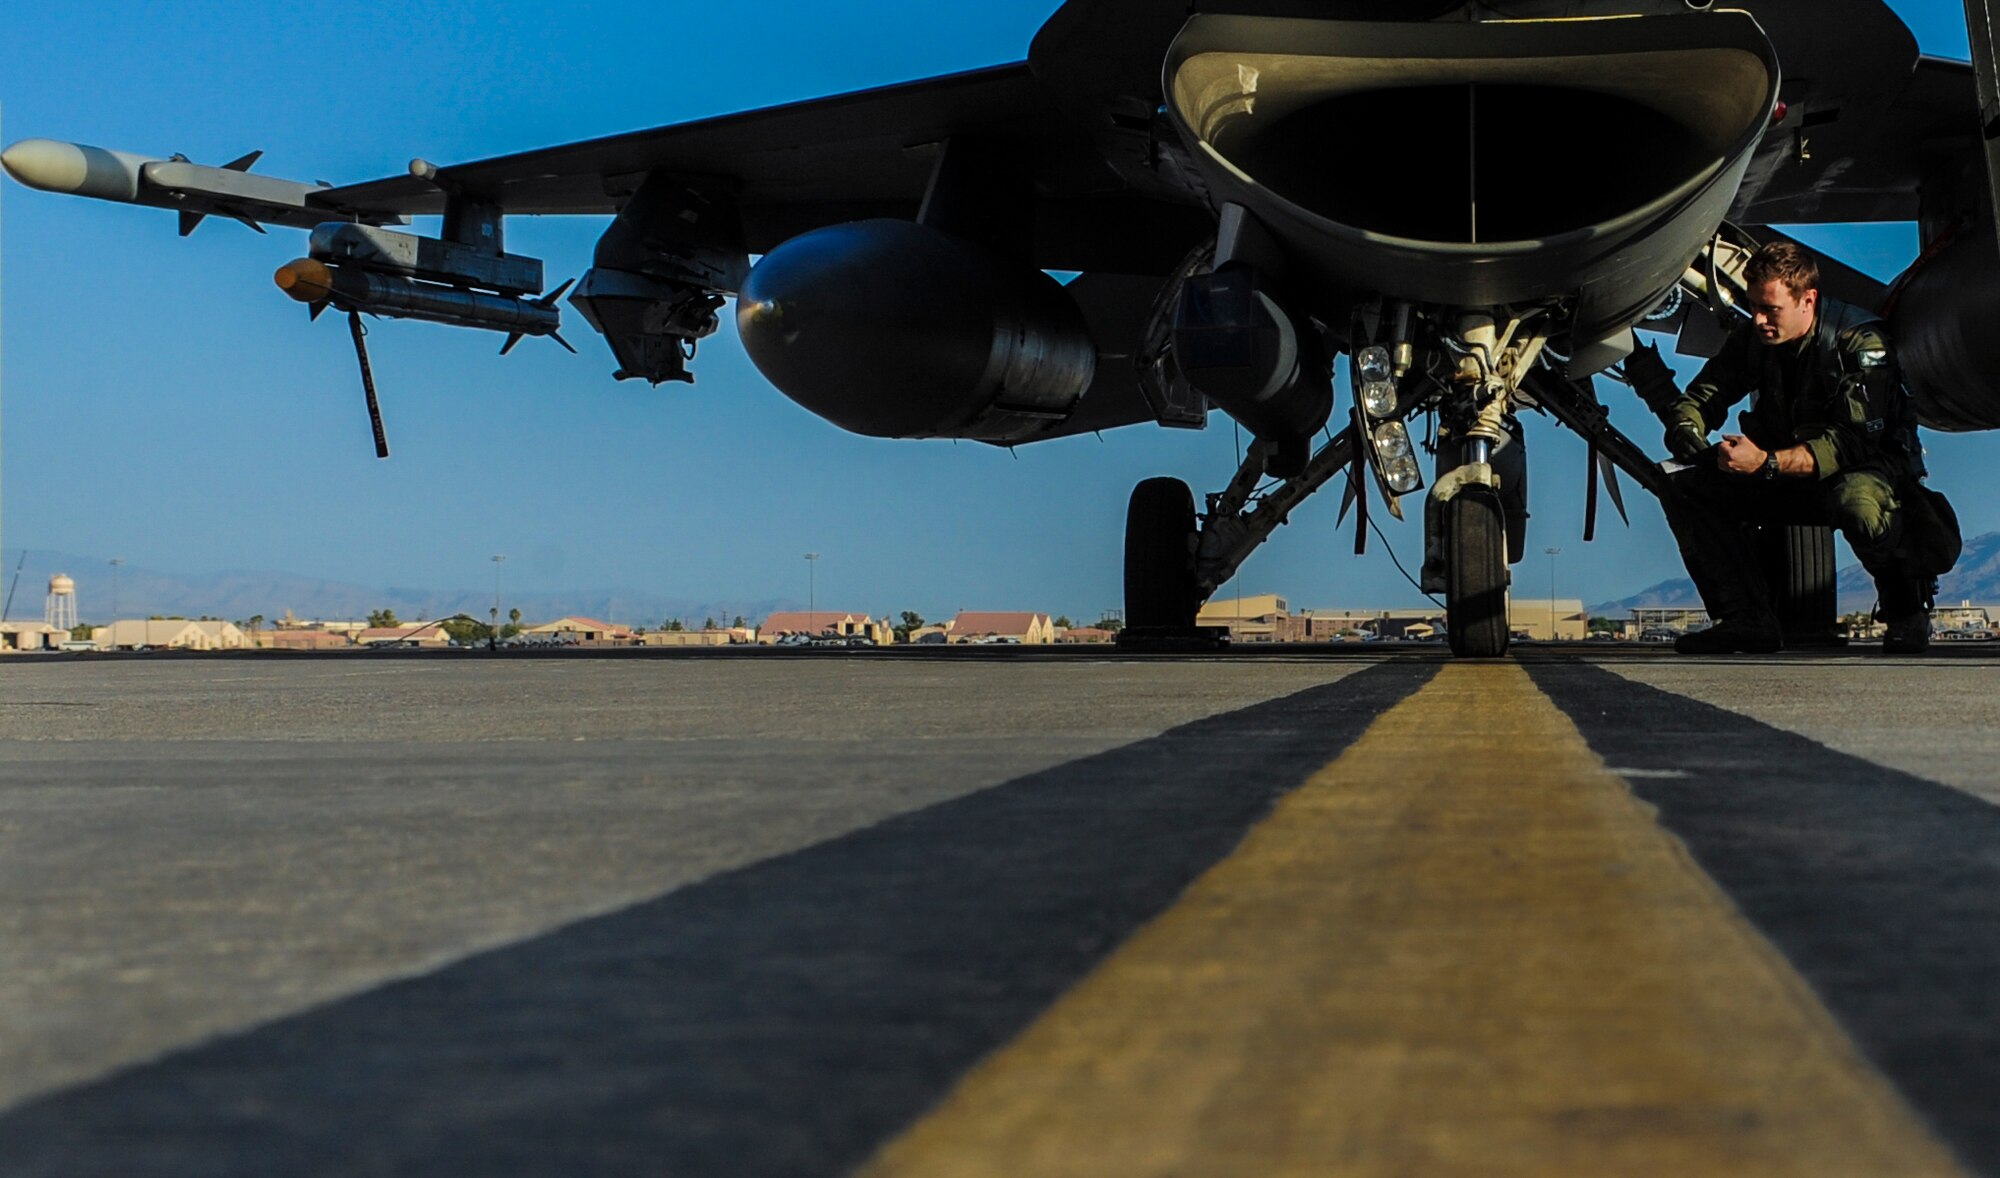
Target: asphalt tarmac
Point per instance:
(1358, 910)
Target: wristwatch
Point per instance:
(1771, 464)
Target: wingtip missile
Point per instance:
(195, 190)
(75, 169)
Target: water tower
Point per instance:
(61, 609)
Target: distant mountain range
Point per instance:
(142, 592)
(1976, 579)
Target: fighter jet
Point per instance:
(1470, 205)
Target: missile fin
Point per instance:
(549, 299)
(189, 221)
(247, 221)
(242, 163)
(557, 336)
(512, 339)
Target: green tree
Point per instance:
(674, 626)
(382, 619)
(81, 632)
(256, 622)
(907, 622)
(514, 616)
(466, 631)
(1108, 623)
(1065, 623)
(708, 623)
(737, 623)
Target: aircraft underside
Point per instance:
(1474, 215)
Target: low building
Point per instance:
(931, 632)
(1963, 618)
(586, 631)
(1350, 625)
(1338, 625)
(818, 622)
(1261, 617)
(1086, 634)
(300, 639)
(1542, 620)
(693, 637)
(1025, 628)
(424, 634)
(30, 636)
(169, 634)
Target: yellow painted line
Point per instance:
(1462, 948)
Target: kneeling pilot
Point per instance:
(1829, 438)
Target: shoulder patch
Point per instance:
(1868, 346)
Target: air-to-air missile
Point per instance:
(351, 266)
(195, 190)
(403, 276)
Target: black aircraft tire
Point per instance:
(1476, 576)
(1159, 558)
(1801, 566)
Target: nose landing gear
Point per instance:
(1475, 544)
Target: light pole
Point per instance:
(812, 598)
(116, 562)
(1553, 553)
(493, 635)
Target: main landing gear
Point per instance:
(1160, 590)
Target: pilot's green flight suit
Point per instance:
(1836, 390)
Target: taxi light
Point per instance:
(1395, 458)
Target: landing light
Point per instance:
(1378, 398)
(1372, 364)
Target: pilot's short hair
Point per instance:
(1786, 261)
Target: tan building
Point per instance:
(1561, 620)
(1086, 634)
(585, 630)
(426, 634)
(813, 623)
(1347, 625)
(300, 639)
(1028, 629)
(30, 636)
(169, 634)
(694, 637)
(1261, 617)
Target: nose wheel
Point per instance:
(1160, 591)
(1476, 574)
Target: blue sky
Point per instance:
(164, 402)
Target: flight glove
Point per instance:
(1685, 442)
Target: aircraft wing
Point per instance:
(1836, 161)
(793, 167)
